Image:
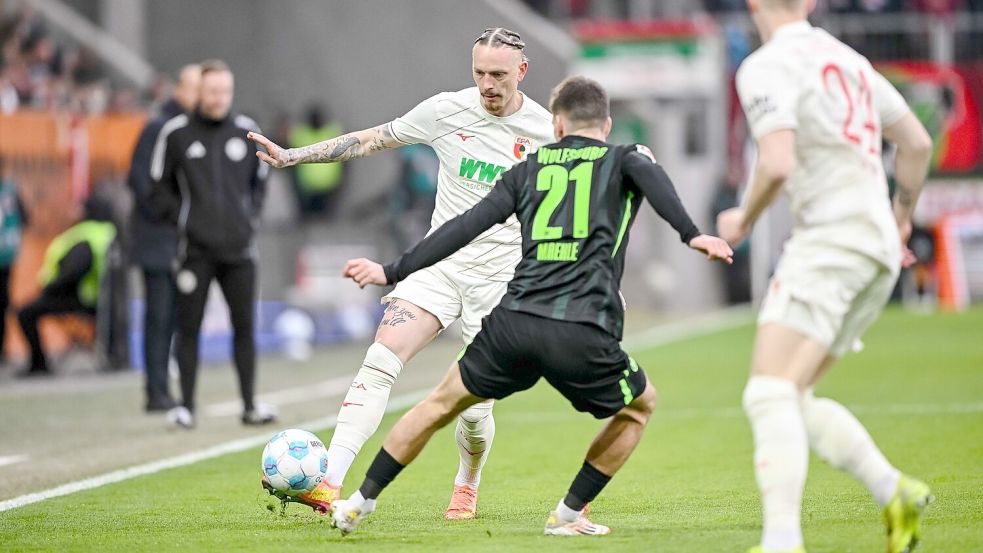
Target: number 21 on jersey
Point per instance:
(553, 180)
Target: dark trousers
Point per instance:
(158, 329)
(238, 282)
(4, 304)
(51, 302)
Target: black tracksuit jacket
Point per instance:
(209, 182)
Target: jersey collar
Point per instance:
(576, 137)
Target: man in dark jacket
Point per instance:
(153, 245)
(208, 182)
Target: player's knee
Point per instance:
(835, 447)
(641, 408)
(380, 369)
(403, 343)
(647, 400)
(813, 411)
(477, 414)
(763, 392)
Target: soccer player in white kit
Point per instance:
(818, 110)
(478, 133)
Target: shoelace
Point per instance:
(459, 503)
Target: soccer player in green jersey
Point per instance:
(561, 317)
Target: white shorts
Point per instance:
(450, 294)
(829, 294)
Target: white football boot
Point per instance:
(346, 517)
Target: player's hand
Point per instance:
(364, 272)
(714, 248)
(730, 225)
(274, 155)
(907, 256)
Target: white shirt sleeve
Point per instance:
(418, 125)
(769, 94)
(891, 105)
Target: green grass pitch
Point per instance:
(918, 387)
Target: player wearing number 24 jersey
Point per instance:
(818, 110)
(806, 80)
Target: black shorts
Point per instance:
(582, 361)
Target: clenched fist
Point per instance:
(364, 272)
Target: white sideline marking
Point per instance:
(287, 396)
(234, 446)
(651, 338)
(11, 459)
(715, 321)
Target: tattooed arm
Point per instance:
(343, 148)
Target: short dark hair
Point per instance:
(214, 66)
(581, 100)
(498, 37)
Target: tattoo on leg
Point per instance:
(396, 316)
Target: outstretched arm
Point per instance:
(450, 237)
(649, 177)
(353, 145)
(776, 162)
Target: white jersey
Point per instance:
(474, 149)
(805, 79)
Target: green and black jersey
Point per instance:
(575, 201)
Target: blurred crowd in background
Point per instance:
(40, 71)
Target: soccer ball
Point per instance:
(295, 461)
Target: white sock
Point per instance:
(356, 501)
(475, 433)
(781, 457)
(567, 514)
(340, 459)
(839, 438)
(362, 410)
